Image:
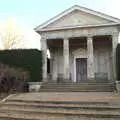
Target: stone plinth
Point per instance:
(34, 86)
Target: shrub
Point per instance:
(12, 79)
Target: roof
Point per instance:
(76, 7)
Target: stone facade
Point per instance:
(80, 40)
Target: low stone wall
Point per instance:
(118, 86)
(34, 86)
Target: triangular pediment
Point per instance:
(78, 16)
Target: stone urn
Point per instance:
(34, 86)
(118, 86)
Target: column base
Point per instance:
(45, 80)
(66, 80)
(63, 81)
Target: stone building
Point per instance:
(82, 45)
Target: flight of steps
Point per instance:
(75, 87)
(57, 110)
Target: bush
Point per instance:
(12, 79)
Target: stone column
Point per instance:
(51, 64)
(90, 60)
(44, 58)
(54, 74)
(114, 46)
(66, 59)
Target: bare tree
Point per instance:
(11, 35)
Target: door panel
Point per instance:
(81, 69)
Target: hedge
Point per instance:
(118, 62)
(27, 59)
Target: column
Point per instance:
(114, 46)
(90, 60)
(54, 74)
(44, 58)
(51, 64)
(66, 59)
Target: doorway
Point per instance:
(81, 70)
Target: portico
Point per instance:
(82, 46)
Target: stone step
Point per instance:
(8, 117)
(62, 107)
(75, 90)
(85, 83)
(53, 109)
(54, 102)
(51, 112)
(82, 87)
(79, 87)
(20, 116)
(66, 106)
(76, 86)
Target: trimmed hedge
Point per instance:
(118, 61)
(27, 59)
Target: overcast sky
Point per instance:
(30, 13)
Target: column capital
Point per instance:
(66, 38)
(90, 36)
(43, 44)
(43, 38)
(115, 34)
